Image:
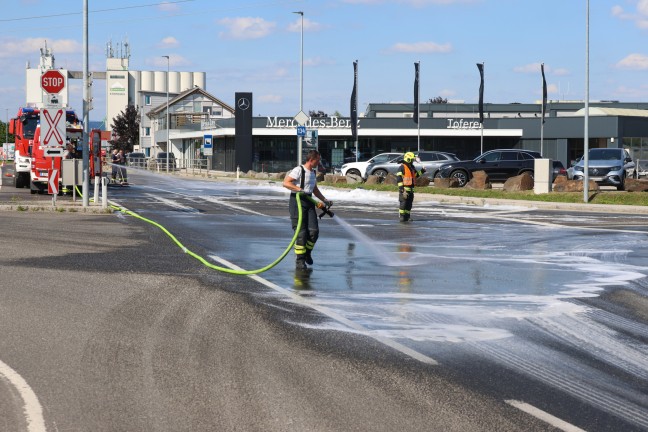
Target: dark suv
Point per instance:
(161, 160)
(498, 164)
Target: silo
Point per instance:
(199, 79)
(174, 82)
(186, 81)
(147, 81)
(160, 81)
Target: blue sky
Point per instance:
(254, 45)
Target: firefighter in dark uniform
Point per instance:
(303, 179)
(406, 177)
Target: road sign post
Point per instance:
(52, 81)
(52, 123)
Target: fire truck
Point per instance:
(23, 127)
(41, 164)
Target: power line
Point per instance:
(94, 11)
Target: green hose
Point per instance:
(203, 260)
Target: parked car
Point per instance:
(360, 168)
(498, 164)
(161, 160)
(430, 160)
(607, 166)
(558, 169)
(570, 170)
(136, 159)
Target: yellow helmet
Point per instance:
(409, 157)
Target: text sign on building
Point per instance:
(52, 123)
(208, 145)
(52, 81)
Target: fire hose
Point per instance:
(325, 210)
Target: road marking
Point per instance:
(209, 199)
(32, 407)
(333, 315)
(544, 416)
(173, 204)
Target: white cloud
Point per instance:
(634, 61)
(270, 98)
(318, 61)
(561, 72)
(168, 7)
(174, 60)
(417, 3)
(552, 88)
(18, 47)
(421, 47)
(246, 28)
(308, 25)
(169, 42)
(640, 18)
(530, 68)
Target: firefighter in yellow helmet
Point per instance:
(406, 177)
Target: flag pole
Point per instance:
(418, 106)
(544, 109)
(480, 66)
(354, 109)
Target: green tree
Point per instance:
(4, 134)
(317, 114)
(337, 114)
(126, 129)
(438, 100)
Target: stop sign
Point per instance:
(52, 81)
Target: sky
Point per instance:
(255, 46)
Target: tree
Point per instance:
(337, 114)
(4, 134)
(438, 100)
(125, 128)
(317, 114)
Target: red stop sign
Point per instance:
(52, 81)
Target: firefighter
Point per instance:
(406, 177)
(304, 179)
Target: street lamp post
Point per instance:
(167, 115)
(301, 86)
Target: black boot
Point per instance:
(309, 258)
(300, 264)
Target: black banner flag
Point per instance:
(480, 66)
(544, 93)
(354, 102)
(416, 92)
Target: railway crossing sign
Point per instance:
(52, 123)
(52, 81)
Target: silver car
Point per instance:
(360, 168)
(607, 166)
(430, 160)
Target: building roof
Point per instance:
(613, 112)
(160, 108)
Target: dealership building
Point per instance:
(271, 143)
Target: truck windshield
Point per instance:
(29, 127)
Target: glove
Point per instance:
(423, 170)
(328, 203)
(320, 205)
(405, 194)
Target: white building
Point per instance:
(144, 89)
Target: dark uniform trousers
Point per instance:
(309, 231)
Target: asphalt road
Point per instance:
(108, 326)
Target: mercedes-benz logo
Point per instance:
(595, 171)
(243, 104)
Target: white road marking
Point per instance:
(333, 315)
(32, 407)
(544, 416)
(172, 203)
(210, 199)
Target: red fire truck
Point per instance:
(23, 127)
(41, 164)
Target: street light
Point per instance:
(301, 87)
(167, 115)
